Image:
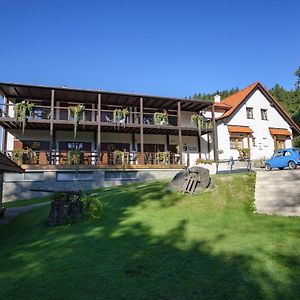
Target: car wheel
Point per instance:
(280, 168)
(292, 165)
(268, 167)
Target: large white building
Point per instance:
(252, 119)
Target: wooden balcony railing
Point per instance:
(72, 157)
(43, 112)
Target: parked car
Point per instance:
(284, 158)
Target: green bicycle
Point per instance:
(92, 205)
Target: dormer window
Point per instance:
(249, 111)
(264, 114)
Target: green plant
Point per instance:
(296, 141)
(119, 156)
(161, 118)
(259, 163)
(17, 156)
(77, 112)
(120, 114)
(74, 157)
(244, 153)
(198, 121)
(204, 161)
(22, 110)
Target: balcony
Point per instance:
(29, 158)
(41, 117)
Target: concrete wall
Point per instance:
(17, 188)
(264, 141)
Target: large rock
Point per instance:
(178, 183)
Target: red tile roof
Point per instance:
(279, 131)
(236, 99)
(239, 129)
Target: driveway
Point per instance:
(278, 192)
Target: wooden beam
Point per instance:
(142, 160)
(179, 130)
(99, 128)
(133, 141)
(51, 122)
(168, 142)
(199, 145)
(215, 135)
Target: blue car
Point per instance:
(284, 158)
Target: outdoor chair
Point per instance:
(107, 119)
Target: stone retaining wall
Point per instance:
(17, 188)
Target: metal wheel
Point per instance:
(95, 208)
(268, 167)
(292, 165)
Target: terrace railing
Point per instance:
(106, 158)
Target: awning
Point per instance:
(239, 129)
(279, 131)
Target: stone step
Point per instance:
(285, 209)
(277, 192)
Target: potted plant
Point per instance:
(197, 121)
(244, 153)
(78, 114)
(23, 110)
(161, 118)
(17, 156)
(119, 156)
(74, 157)
(119, 116)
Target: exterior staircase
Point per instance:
(278, 192)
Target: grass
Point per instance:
(156, 245)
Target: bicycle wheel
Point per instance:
(95, 208)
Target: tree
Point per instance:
(297, 84)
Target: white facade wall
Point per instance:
(264, 141)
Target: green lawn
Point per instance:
(155, 245)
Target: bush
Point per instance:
(296, 141)
(204, 161)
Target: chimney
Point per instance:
(217, 97)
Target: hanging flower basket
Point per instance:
(119, 116)
(197, 120)
(161, 118)
(78, 114)
(23, 110)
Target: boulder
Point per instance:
(178, 183)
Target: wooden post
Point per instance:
(179, 130)
(215, 136)
(275, 143)
(142, 130)
(51, 124)
(99, 129)
(133, 141)
(4, 132)
(199, 145)
(168, 142)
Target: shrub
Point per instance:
(204, 161)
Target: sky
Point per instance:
(160, 47)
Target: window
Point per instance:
(236, 142)
(120, 175)
(249, 111)
(253, 141)
(70, 176)
(264, 115)
(278, 154)
(27, 176)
